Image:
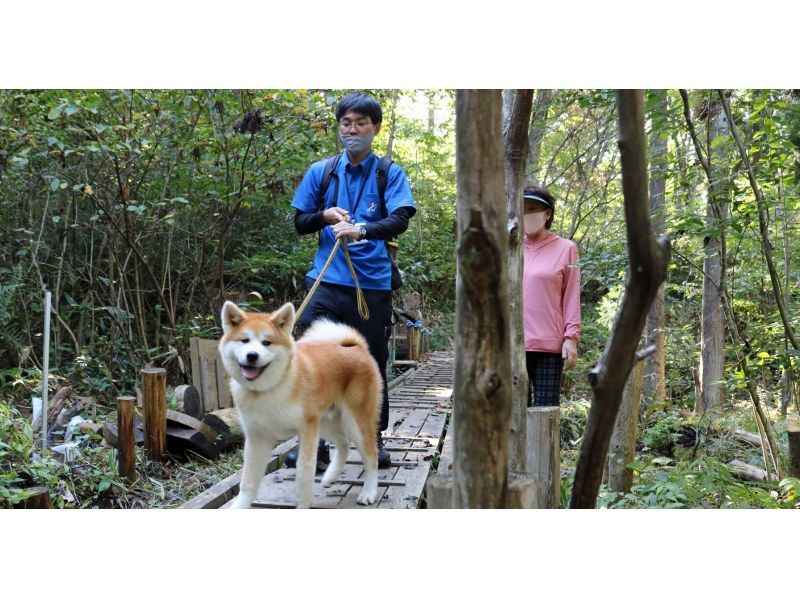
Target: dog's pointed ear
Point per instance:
(284, 318)
(232, 316)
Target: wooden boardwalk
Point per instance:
(420, 401)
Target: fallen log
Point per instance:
(111, 432)
(227, 426)
(748, 437)
(747, 471)
(179, 419)
(183, 440)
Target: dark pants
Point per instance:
(338, 303)
(544, 373)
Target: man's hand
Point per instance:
(335, 215)
(569, 351)
(345, 229)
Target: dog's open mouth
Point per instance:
(250, 372)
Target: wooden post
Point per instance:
(413, 334)
(622, 449)
(439, 491)
(793, 432)
(544, 455)
(154, 405)
(126, 439)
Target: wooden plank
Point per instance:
(353, 481)
(224, 397)
(194, 353)
(216, 496)
(226, 490)
(434, 426)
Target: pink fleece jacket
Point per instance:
(551, 293)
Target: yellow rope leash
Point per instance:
(363, 309)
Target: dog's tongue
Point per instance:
(250, 373)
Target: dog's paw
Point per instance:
(367, 497)
(240, 503)
(328, 480)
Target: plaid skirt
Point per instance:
(544, 373)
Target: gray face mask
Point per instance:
(357, 144)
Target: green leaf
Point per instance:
(54, 184)
(104, 485)
(56, 112)
(71, 109)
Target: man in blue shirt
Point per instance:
(352, 208)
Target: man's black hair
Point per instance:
(362, 104)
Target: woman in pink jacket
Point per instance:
(551, 299)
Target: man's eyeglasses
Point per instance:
(360, 125)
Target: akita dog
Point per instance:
(326, 383)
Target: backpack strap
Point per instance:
(383, 180)
(330, 167)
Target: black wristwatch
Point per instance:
(362, 232)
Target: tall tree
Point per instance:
(712, 325)
(482, 365)
(536, 133)
(712, 329)
(648, 261)
(516, 149)
(654, 387)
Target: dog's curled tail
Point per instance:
(333, 332)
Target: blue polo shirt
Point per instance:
(370, 259)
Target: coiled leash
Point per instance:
(363, 308)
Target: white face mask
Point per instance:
(534, 222)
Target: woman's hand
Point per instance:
(569, 351)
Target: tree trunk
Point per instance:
(516, 145)
(653, 385)
(392, 123)
(536, 134)
(793, 433)
(482, 365)
(712, 329)
(648, 260)
(623, 439)
(766, 245)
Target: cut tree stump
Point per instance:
(38, 499)
(227, 426)
(189, 400)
